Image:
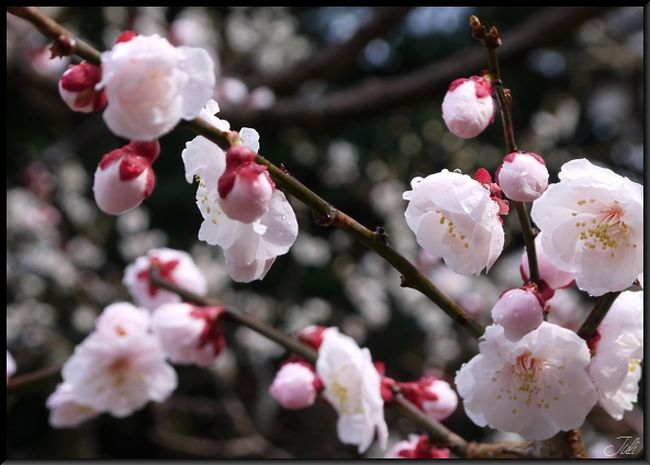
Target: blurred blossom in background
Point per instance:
(581, 96)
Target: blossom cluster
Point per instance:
(147, 86)
(124, 363)
(356, 387)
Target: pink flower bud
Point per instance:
(417, 447)
(245, 188)
(312, 336)
(468, 108)
(293, 386)
(122, 181)
(147, 149)
(523, 176)
(519, 311)
(77, 88)
(552, 276)
(445, 403)
(188, 334)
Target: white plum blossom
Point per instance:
(173, 265)
(592, 225)
(119, 368)
(454, 217)
(444, 405)
(549, 273)
(122, 317)
(352, 385)
(186, 333)
(535, 387)
(249, 248)
(518, 311)
(618, 352)
(468, 107)
(11, 366)
(65, 412)
(293, 386)
(151, 85)
(522, 176)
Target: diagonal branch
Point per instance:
(437, 432)
(375, 95)
(327, 215)
(336, 58)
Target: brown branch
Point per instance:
(65, 43)
(45, 377)
(437, 432)
(603, 304)
(336, 58)
(376, 95)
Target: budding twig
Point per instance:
(492, 41)
(325, 214)
(437, 432)
(322, 208)
(65, 43)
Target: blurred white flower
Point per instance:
(592, 225)
(119, 367)
(454, 217)
(618, 352)
(468, 107)
(188, 334)
(173, 265)
(151, 85)
(352, 385)
(535, 387)
(445, 403)
(65, 412)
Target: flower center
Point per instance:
(606, 229)
(526, 369)
(633, 364)
(117, 369)
(451, 229)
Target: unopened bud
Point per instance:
(77, 88)
(294, 386)
(523, 176)
(122, 181)
(519, 311)
(468, 107)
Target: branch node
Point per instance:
(323, 219)
(380, 233)
(62, 46)
(284, 168)
(403, 281)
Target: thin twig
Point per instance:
(65, 42)
(327, 215)
(437, 432)
(35, 380)
(589, 327)
(492, 40)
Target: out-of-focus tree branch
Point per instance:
(334, 59)
(375, 95)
